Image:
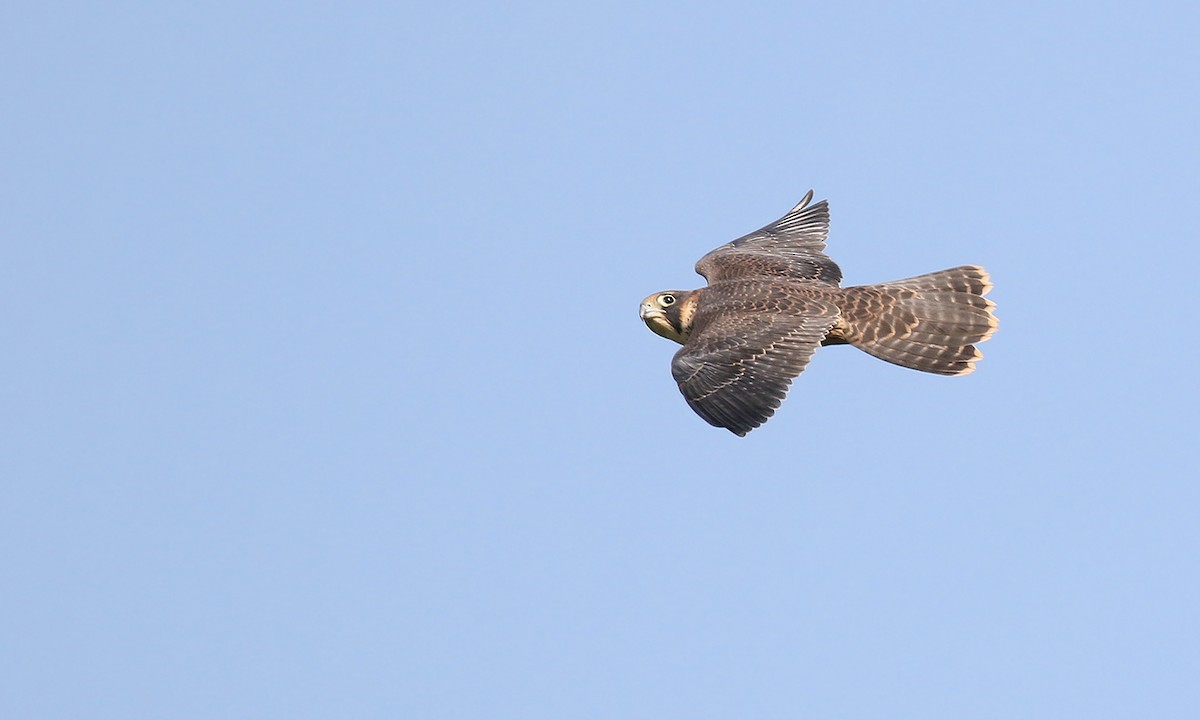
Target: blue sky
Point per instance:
(326, 394)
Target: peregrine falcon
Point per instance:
(773, 298)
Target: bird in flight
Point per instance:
(773, 297)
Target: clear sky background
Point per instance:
(325, 394)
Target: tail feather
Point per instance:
(929, 322)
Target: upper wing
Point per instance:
(736, 367)
(789, 247)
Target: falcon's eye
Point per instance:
(666, 300)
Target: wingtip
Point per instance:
(804, 202)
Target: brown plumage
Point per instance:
(773, 298)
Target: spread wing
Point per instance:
(750, 339)
(789, 247)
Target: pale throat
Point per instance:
(660, 326)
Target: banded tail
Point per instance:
(929, 323)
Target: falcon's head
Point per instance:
(670, 313)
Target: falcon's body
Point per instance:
(773, 298)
